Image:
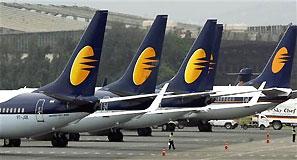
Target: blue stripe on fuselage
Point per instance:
(28, 103)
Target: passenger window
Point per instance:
(7, 110)
(19, 110)
(11, 109)
(0, 110)
(23, 110)
(14, 110)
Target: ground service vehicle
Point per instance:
(283, 114)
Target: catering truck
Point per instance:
(283, 114)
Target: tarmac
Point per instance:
(190, 144)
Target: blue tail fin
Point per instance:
(194, 69)
(277, 72)
(214, 58)
(141, 74)
(80, 74)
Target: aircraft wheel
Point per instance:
(59, 140)
(12, 142)
(74, 136)
(204, 127)
(144, 131)
(171, 127)
(115, 136)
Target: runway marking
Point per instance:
(107, 153)
(74, 152)
(18, 152)
(153, 154)
(41, 152)
(97, 153)
(130, 154)
(52, 152)
(251, 155)
(29, 152)
(63, 152)
(262, 155)
(86, 152)
(119, 153)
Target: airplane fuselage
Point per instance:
(31, 114)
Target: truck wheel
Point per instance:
(228, 125)
(277, 125)
(245, 127)
(262, 127)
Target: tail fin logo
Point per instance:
(195, 66)
(82, 66)
(144, 65)
(280, 58)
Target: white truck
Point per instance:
(256, 121)
(283, 114)
(228, 124)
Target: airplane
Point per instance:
(130, 95)
(194, 69)
(276, 74)
(68, 98)
(130, 84)
(250, 106)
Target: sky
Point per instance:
(248, 12)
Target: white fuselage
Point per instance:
(21, 125)
(27, 125)
(152, 118)
(100, 120)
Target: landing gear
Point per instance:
(12, 143)
(144, 131)
(204, 126)
(170, 127)
(115, 135)
(74, 137)
(59, 140)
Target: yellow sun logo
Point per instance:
(144, 65)
(82, 66)
(195, 66)
(280, 59)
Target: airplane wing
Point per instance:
(157, 101)
(257, 95)
(154, 106)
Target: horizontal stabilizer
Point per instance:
(276, 92)
(74, 100)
